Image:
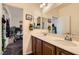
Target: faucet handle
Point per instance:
(68, 37)
(67, 33)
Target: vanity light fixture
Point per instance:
(43, 5)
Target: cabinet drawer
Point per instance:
(48, 49)
(38, 47)
(33, 45)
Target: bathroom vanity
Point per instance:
(52, 44)
(40, 47)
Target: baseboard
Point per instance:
(31, 54)
(28, 53)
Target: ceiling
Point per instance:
(24, 5)
(34, 6)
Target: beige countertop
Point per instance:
(57, 40)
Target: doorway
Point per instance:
(12, 36)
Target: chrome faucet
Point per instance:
(68, 37)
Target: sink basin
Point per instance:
(53, 37)
(58, 39)
(65, 43)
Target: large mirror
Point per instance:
(50, 20)
(62, 18)
(54, 22)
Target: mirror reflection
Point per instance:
(59, 18)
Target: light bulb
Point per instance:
(43, 4)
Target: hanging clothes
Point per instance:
(3, 39)
(3, 19)
(54, 30)
(7, 28)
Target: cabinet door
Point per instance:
(62, 52)
(33, 45)
(38, 47)
(48, 49)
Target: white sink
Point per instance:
(57, 39)
(66, 43)
(53, 37)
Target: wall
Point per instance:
(16, 15)
(27, 48)
(0, 28)
(26, 35)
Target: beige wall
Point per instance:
(27, 48)
(26, 33)
(0, 28)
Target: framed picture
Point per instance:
(28, 17)
(49, 20)
(38, 20)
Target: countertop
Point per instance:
(57, 40)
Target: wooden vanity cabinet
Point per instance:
(36, 46)
(40, 47)
(60, 51)
(33, 45)
(48, 49)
